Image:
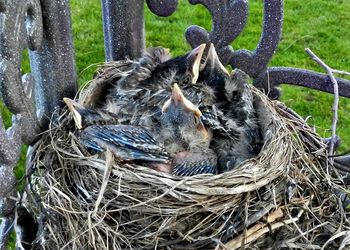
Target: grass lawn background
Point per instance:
(322, 25)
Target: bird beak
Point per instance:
(212, 61)
(204, 131)
(73, 107)
(195, 58)
(177, 97)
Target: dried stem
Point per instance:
(330, 72)
(341, 72)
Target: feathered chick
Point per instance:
(183, 134)
(183, 69)
(156, 147)
(214, 74)
(100, 130)
(232, 118)
(138, 100)
(127, 72)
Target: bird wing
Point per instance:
(125, 141)
(193, 163)
(218, 123)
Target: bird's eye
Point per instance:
(187, 79)
(197, 120)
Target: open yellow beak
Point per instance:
(73, 107)
(213, 61)
(177, 97)
(195, 57)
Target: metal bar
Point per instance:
(53, 64)
(43, 27)
(255, 62)
(123, 27)
(275, 76)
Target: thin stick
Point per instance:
(107, 173)
(330, 72)
(340, 72)
(260, 229)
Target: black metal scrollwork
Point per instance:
(162, 7)
(23, 29)
(229, 18)
(274, 76)
(44, 28)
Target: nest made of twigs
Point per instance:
(284, 197)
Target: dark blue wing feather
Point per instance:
(189, 164)
(125, 141)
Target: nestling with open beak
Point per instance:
(182, 69)
(178, 145)
(184, 135)
(232, 119)
(139, 101)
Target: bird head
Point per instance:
(212, 72)
(84, 117)
(180, 114)
(182, 69)
(212, 62)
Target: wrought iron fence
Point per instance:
(44, 28)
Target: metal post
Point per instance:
(43, 27)
(123, 26)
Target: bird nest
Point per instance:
(284, 197)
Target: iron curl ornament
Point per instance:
(43, 28)
(17, 94)
(229, 19)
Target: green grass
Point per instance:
(322, 25)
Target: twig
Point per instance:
(330, 72)
(257, 230)
(107, 173)
(340, 72)
(260, 229)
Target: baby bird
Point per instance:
(183, 134)
(100, 130)
(132, 95)
(178, 143)
(182, 69)
(131, 72)
(232, 118)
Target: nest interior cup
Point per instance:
(92, 202)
